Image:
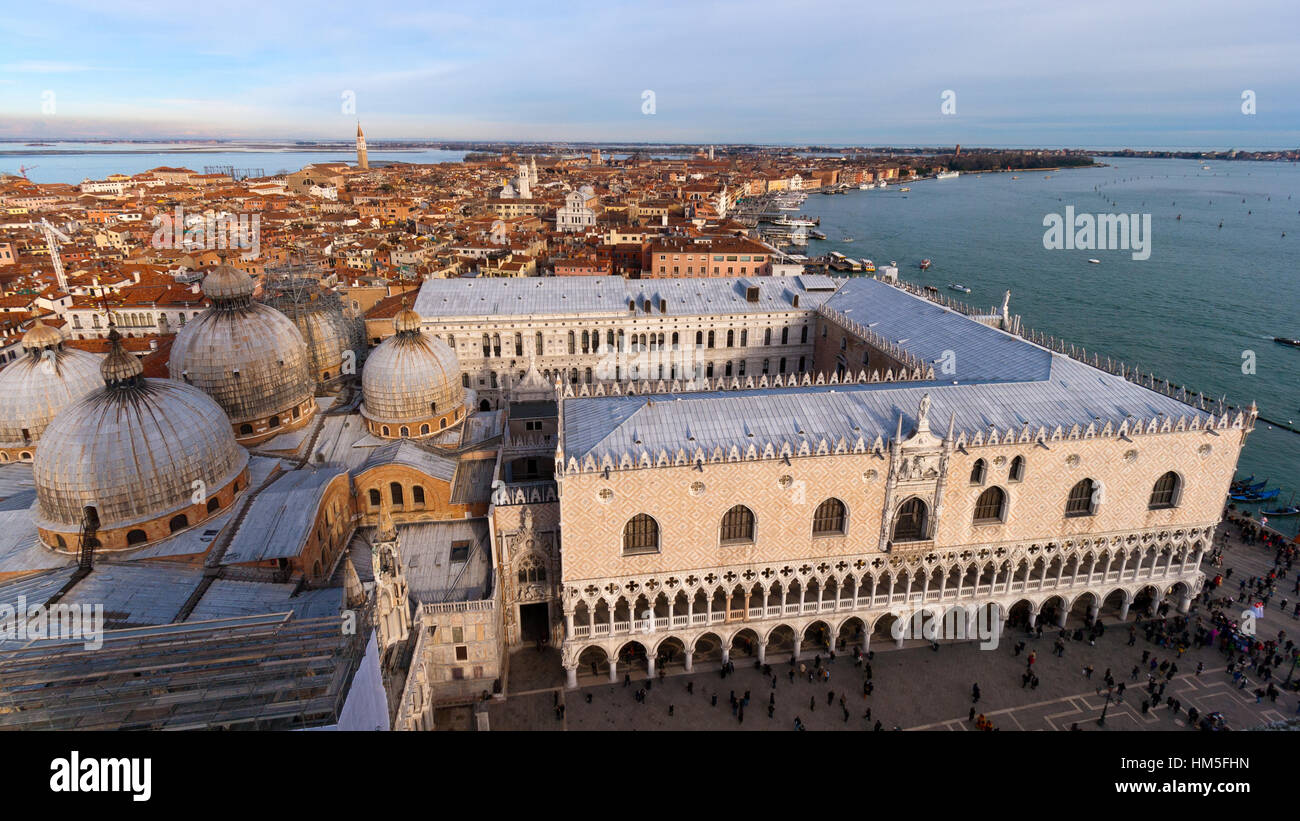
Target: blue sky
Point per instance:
(1102, 73)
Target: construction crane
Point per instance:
(52, 237)
(23, 169)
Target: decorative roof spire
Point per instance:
(120, 369)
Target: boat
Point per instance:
(1289, 510)
(868, 266)
(1095, 261)
(955, 287)
(925, 264)
(846, 239)
(904, 188)
(1282, 340)
(864, 186)
(1246, 481)
(882, 184)
(801, 220)
(947, 175)
(1255, 497)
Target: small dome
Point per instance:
(227, 283)
(411, 377)
(119, 366)
(133, 449)
(42, 336)
(35, 387)
(406, 319)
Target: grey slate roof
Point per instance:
(279, 520)
(226, 598)
(405, 452)
(431, 576)
(442, 299)
(1003, 381)
(136, 594)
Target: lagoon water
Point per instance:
(1189, 313)
(73, 162)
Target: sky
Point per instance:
(1098, 74)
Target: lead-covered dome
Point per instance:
(150, 456)
(247, 356)
(411, 382)
(35, 387)
(318, 315)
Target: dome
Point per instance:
(319, 318)
(42, 382)
(412, 377)
(225, 282)
(247, 356)
(134, 450)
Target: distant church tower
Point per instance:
(362, 162)
(525, 189)
(532, 170)
(392, 600)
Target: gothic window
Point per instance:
(1080, 501)
(738, 525)
(1017, 472)
(640, 535)
(991, 506)
(803, 334)
(1166, 491)
(829, 518)
(978, 472)
(909, 525)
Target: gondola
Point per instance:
(1254, 497)
(1286, 511)
(1243, 482)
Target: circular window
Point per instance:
(1205, 450)
(605, 495)
(999, 461)
(697, 488)
(787, 481)
(870, 476)
(1130, 456)
(1073, 460)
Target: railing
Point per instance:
(680, 621)
(581, 631)
(661, 623)
(756, 612)
(700, 618)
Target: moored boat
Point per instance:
(925, 264)
(952, 286)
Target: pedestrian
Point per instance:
(715, 700)
(770, 710)
(771, 699)
(1200, 666)
(1087, 672)
(627, 679)
(812, 704)
(588, 698)
(975, 693)
(670, 710)
(830, 697)
(972, 714)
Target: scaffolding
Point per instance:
(235, 174)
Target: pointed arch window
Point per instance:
(991, 507)
(910, 524)
(978, 472)
(1017, 472)
(830, 518)
(1166, 491)
(1080, 501)
(738, 525)
(640, 535)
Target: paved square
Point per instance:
(918, 688)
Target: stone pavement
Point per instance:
(918, 688)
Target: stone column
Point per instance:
(649, 664)
(726, 654)
(568, 622)
(689, 661)
(613, 670)
(762, 652)
(866, 638)
(571, 677)
(794, 654)
(1185, 602)
(1033, 619)
(1123, 611)
(1065, 614)
(1094, 610)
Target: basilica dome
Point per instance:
(149, 456)
(411, 383)
(247, 356)
(38, 385)
(318, 316)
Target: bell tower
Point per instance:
(362, 162)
